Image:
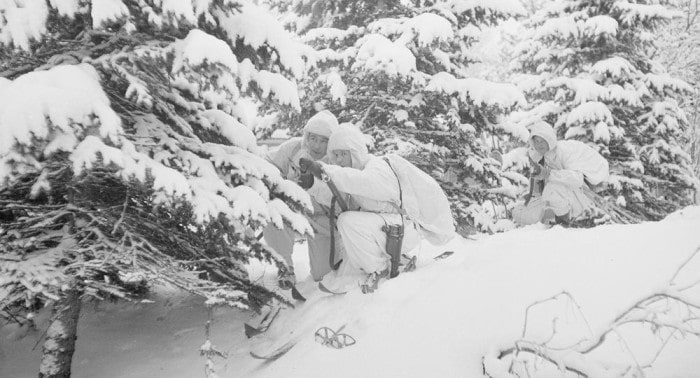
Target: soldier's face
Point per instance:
(317, 145)
(342, 158)
(539, 144)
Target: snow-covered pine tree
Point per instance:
(396, 69)
(589, 74)
(124, 158)
(678, 49)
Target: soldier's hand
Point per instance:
(306, 180)
(308, 165)
(542, 173)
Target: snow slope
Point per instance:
(438, 321)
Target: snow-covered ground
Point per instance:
(438, 321)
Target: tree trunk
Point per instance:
(60, 337)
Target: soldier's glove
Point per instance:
(311, 166)
(541, 173)
(306, 180)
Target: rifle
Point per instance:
(304, 165)
(536, 170)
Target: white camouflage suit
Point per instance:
(570, 163)
(371, 189)
(286, 158)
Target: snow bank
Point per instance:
(439, 320)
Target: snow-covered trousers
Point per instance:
(365, 242)
(282, 241)
(560, 198)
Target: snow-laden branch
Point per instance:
(669, 308)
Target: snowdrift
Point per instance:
(442, 320)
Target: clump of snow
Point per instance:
(199, 47)
(587, 112)
(601, 132)
(22, 22)
(387, 27)
(103, 11)
(66, 8)
(67, 96)
(182, 10)
(429, 28)
(378, 53)
(229, 127)
(479, 91)
(633, 13)
(38, 274)
(337, 87)
(284, 91)
(617, 67)
(42, 185)
(601, 24)
(627, 95)
(513, 8)
(585, 89)
(562, 27)
(223, 297)
(331, 33)
(86, 154)
(661, 82)
(256, 26)
(280, 212)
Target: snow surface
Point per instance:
(438, 321)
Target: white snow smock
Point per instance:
(372, 192)
(572, 165)
(286, 159)
(424, 201)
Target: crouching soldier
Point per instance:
(562, 170)
(387, 198)
(313, 146)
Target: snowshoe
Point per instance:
(333, 339)
(372, 281)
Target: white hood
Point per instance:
(349, 138)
